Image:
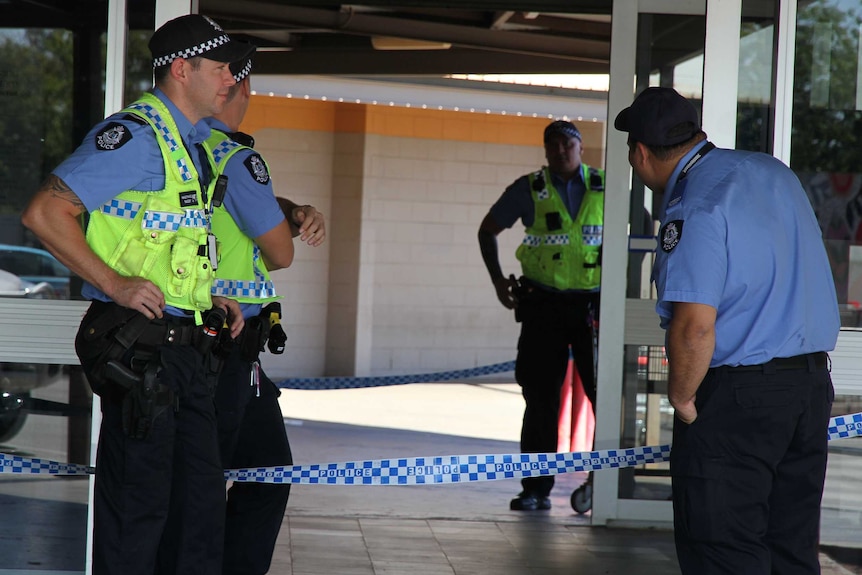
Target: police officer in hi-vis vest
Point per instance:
(144, 179)
(556, 300)
(255, 236)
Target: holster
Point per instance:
(523, 293)
(145, 398)
(262, 329)
(105, 335)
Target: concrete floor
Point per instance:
(458, 529)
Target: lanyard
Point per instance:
(679, 186)
(707, 148)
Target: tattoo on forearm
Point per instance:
(58, 189)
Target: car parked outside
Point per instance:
(35, 266)
(17, 380)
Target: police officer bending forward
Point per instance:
(745, 293)
(147, 256)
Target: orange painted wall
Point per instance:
(299, 114)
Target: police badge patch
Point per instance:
(671, 233)
(257, 168)
(114, 136)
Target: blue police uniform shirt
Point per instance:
(739, 234)
(249, 200)
(97, 172)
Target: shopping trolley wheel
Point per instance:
(582, 498)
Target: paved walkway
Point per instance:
(459, 529)
(464, 529)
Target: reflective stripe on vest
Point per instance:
(153, 220)
(242, 274)
(223, 150)
(163, 130)
(260, 288)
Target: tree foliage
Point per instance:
(826, 123)
(37, 106)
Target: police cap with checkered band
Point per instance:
(242, 68)
(195, 35)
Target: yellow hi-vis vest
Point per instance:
(241, 273)
(160, 235)
(557, 251)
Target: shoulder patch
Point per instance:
(597, 182)
(112, 137)
(257, 168)
(671, 234)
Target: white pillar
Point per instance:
(786, 31)
(624, 22)
(721, 71)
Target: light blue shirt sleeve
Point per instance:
(98, 170)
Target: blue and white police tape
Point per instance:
(450, 468)
(357, 382)
(31, 466)
(430, 470)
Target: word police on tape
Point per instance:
(450, 468)
(429, 470)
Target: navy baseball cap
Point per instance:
(659, 117)
(242, 68)
(195, 35)
(562, 127)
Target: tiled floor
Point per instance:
(373, 546)
(464, 529)
(456, 529)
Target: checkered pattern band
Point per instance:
(543, 194)
(844, 426)
(246, 70)
(429, 470)
(592, 235)
(358, 382)
(532, 241)
(121, 209)
(451, 468)
(165, 132)
(239, 288)
(223, 149)
(557, 240)
(29, 466)
(171, 222)
(201, 48)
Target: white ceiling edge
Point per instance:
(431, 97)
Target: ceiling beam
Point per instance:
(274, 15)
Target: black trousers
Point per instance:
(550, 325)
(748, 473)
(251, 434)
(176, 471)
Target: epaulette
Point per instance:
(597, 182)
(242, 138)
(135, 118)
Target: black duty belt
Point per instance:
(817, 360)
(170, 331)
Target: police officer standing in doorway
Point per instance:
(745, 293)
(557, 298)
(145, 181)
(255, 230)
